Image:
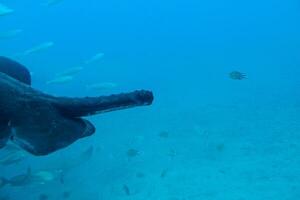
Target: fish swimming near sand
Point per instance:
(39, 177)
(64, 166)
(41, 123)
(12, 156)
(18, 180)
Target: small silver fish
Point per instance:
(12, 155)
(132, 153)
(12, 158)
(164, 173)
(73, 162)
(95, 58)
(43, 197)
(61, 80)
(43, 176)
(70, 72)
(19, 180)
(31, 178)
(10, 33)
(38, 48)
(4, 10)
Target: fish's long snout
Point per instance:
(79, 107)
(144, 97)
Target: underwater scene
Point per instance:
(149, 100)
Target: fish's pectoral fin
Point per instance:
(48, 131)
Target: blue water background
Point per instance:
(236, 140)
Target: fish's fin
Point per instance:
(15, 70)
(43, 130)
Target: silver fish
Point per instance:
(13, 158)
(4, 10)
(70, 72)
(38, 48)
(31, 178)
(10, 33)
(61, 80)
(95, 58)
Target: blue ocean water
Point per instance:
(206, 136)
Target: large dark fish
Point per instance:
(41, 123)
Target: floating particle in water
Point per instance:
(126, 190)
(43, 197)
(164, 134)
(175, 198)
(66, 194)
(164, 173)
(236, 75)
(4, 10)
(172, 153)
(140, 175)
(220, 147)
(132, 153)
(6, 197)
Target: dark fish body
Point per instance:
(15, 70)
(41, 123)
(236, 75)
